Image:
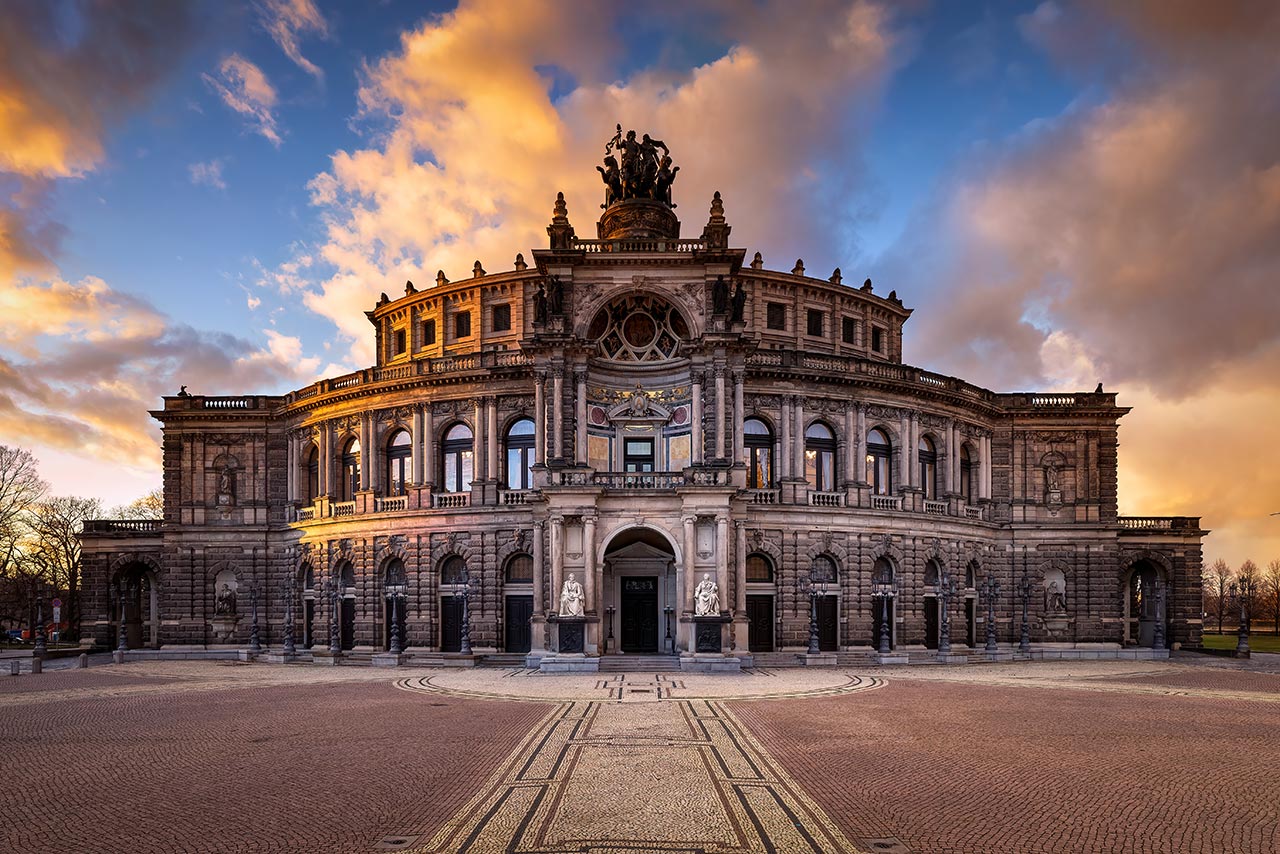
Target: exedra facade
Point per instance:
(643, 444)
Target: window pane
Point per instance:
(467, 462)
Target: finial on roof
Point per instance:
(520, 264)
(561, 210)
(836, 277)
(1098, 390)
(409, 288)
(893, 297)
(477, 271)
(560, 231)
(383, 299)
(757, 262)
(866, 286)
(440, 278)
(798, 269)
(717, 206)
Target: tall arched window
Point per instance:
(823, 568)
(882, 573)
(458, 459)
(966, 473)
(520, 569)
(932, 574)
(350, 481)
(520, 455)
(820, 457)
(453, 570)
(313, 474)
(928, 460)
(399, 449)
(759, 569)
(971, 575)
(758, 450)
(878, 452)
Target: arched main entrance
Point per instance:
(136, 601)
(640, 593)
(1144, 603)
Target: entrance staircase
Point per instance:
(639, 663)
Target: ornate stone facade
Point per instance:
(641, 412)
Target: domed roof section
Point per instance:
(637, 175)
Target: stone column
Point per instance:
(953, 454)
(539, 421)
(428, 445)
(580, 420)
(557, 562)
(491, 429)
(293, 468)
(739, 415)
(539, 605)
(696, 437)
(986, 467)
(418, 439)
(850, 445)
(720, 413)
(784, 445)
(590, 582)
(366, 450)
(557, 412)
(690, 554)
(722, 559)
(914, 467)
(326, 458)
(904, 450)
(740, 566)
(799, 439)
(478, 434)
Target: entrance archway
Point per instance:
(1142, 607)
(141, 607)
(640, 593)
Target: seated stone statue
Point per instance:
(571, 598)
(225, 603)
(706, 598)
(1055, 600)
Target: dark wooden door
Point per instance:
(760, 623)
(971, 621)
(450, 624)
(828, 623)
(519, 612)
(348, 623)
(640, 614)
(931, 623)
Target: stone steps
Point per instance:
(502, 659)
(639, 664)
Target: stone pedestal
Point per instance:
(568, 662)
(223, 628)
(887, 658)
(570, 634)
(389, 659)
(1057, 627)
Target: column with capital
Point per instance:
(860, 437)
(589, 562)
(741, 628)
(798, 469)
(539, 420)
(428, 446)
(557, 561)
(739, 415)
(580, 419)
(491, 433)
(292, 478)
(480, 469)
(904, 450)
(368, 453)
(416, 445)
(696, 437)
(722, 559)
(537, 643)
(784, 445)
(690, 552)
(720, 413)
(326, 458)
(953, 454)
(914, 450)
(850, 445)
(557, 413)
(986, 467)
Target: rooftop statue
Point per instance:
(642, 173)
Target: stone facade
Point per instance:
(641, 410)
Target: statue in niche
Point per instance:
(555, 296)
(1052, 485)
(1055, 598)
(224, 604)
(706, 598)
(611, 174)
(571, 598)
(540, 304)
(739, 303)
(720, 296)
(226, 487)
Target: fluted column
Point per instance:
(491, 431)
(539, 420)
(292, 479)
(326, 458)
(904, 450)
(785, 450)
(690, 552)
(589, 583)
(557, 562)
(722, 559)
(740, 566)
(416, 444)
(860, 437)
(799, 440)
(914, 467)
(539, 604)
(557, 413)
(720, 413)
(428, 445)
(696, 438)
(580, 419)
(478, 434)
(953, 454)
(739, 415)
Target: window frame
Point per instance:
(755, 448)
(349, 462)
(780, 309)
(502, 311)
(399, 461)
(823, 467)
(522, 445)
(879, 463)
(927, 463)
(453, 455)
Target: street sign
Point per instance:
(57, 613)
(57, 603)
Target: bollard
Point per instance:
(37, 665)
(117, 656)
(84, 660)
(14, 667)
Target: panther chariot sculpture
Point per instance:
(637, 175)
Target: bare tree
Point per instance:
(1271, 584)
(56, 525)
(20, 489)
(149, 506)
(1217, 584)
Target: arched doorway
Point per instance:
(760, 602)
(640, 593)
(134, 592)
(347, 606)
(1144, 581)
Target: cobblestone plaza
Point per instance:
(166, 756)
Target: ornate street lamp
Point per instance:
(289, 590)
(946, 592)
(1157, 640)
(992, 592)
(667, 612)
(123, 644)
(41, 648)
(1242, 591)
(255, 644)
(1024, 593)
(609, 640)
(464, 593)
(397, 639)
(883, 592)
(335, 644)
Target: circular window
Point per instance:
(638, 329)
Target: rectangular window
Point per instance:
(637, 455)
(776, 315)
(428, 332)
(501, 318)
(400, 345)
(848, 330)
(462, 324)
(877, 339)
(815, 323)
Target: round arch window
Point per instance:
(638, 329)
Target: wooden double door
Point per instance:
(639, 611)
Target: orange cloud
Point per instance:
(244, 88)
(284, 20)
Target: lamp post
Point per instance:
(1024, 592)
(883, 592)
(255, 644)
(122, 644)
(946, 592)
(288, 590)
(335, 645)
(992, 592)
(609, 640)
(41, 648)
(464, 593)
(667, 612)
(397, 639)
(1242, 591)
(1157, 640)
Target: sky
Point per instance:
(212, 194)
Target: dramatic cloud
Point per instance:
(473, 146)
(244, 88)
(209, 174)
(285, 20)
(1136, 234)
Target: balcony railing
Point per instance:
(763, 496)
(972, 512)
(394, 504)
(343, 508)
(515, 497)
(826, 499)
(451, 500)
(306, 514)
(886, 502)
(123, 526)
(937, 508)
(1160, 523)
(639, 480)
